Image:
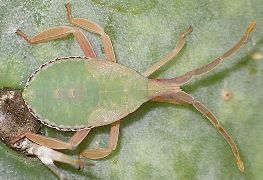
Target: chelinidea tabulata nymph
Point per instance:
(81, 93)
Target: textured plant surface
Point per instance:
(159, 140)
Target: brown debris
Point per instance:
(15, 118)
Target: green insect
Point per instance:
(81, 93)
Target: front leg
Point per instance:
(169, 56)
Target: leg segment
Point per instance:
(103, 152)
(182, 97)
(210, 66)
(53, 143)
(169, 56)
(92, 27)
(60, 32)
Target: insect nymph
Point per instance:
(81, 93)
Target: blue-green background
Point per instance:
(159, 140)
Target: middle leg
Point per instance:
(112, 143)
(93, 27)
(108, 48)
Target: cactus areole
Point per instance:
(75, 93)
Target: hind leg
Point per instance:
(58, 33)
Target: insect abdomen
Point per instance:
(79, 93)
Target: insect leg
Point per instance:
(60, 32)
(184, 98)
(103, 152)
(210, 66)
(54, 143)
(169, 56)
(93, 27)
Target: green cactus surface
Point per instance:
(158, 140)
